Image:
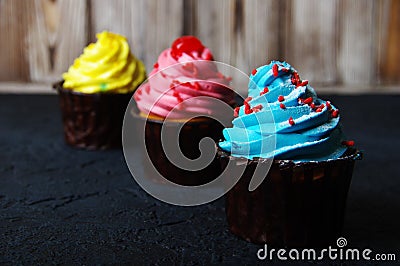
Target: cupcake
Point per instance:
(284, 127)
(181, 97)
(96, 90)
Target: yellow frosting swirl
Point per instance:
(105, 66)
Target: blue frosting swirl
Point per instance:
(283, 118)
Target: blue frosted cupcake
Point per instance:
(283, 126)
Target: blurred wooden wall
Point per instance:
(331, 42)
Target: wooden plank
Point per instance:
(310, 41)
(213, 26)
(123, 17)
(13, 62)
(255, 34)
(356, 54)
(220, 25)
(389, 39)
(150, 26)
(162, 24)
(57, 34)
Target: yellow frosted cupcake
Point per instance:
(95, 91)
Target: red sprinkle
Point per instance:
(295, 78)
(196, 86)
(147, 89)
(188, 66)
(247, 110)
(312, 105)
(308, 100)
(291, 121)
(282, 106)
(348, 143)
(335, 113)
(264, 91)
(172, 85)
(304, 83)
(254, 71)
(275, 70)
(257, 108)
(328, 104)
(178, 97)
(319, 109)
(284, 69)
(322, 106)
(248, 99)
(236, 112)
(155, 65)
(281, 98)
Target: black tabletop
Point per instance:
(68, 206)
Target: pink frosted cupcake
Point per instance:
(183, 90)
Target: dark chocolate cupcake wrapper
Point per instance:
(190, 135)
(297, 204)
(92, 121)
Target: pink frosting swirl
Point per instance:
(182, 74)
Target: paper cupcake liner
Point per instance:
(190, 135)
(92, 121)
(297, 204)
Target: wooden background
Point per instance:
(342, 45)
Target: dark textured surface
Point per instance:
(65, 206)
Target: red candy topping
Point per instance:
(282, 106)
(254, 71)
(155, 65)
(335, 113)
(281, 98)
(187, 45)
